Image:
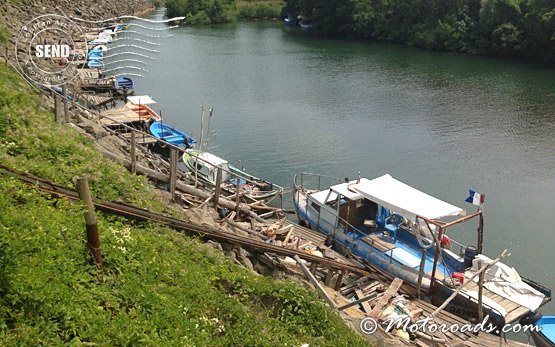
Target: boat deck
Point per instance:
(375, 241)
(514, 310)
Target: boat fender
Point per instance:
(531, 318)
(445, 242)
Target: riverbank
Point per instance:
(496, 27)
(157, 287)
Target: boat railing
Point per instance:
(244, 176)
(314, 177)
(456, 244)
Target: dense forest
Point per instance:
(223, 11)
(501, 27)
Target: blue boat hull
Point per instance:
(171, 135)
(545, 337)
(124, 85)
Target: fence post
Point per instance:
(57, 109)
(173, 171)
(66, 110)
(133, 155)
(93, 241)
(218, 187)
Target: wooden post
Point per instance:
(218, 187)
(313, 267)
(477, 273)
(57, 109)
(329, 276)
(480, 234)
(437, 252)
(314, 281)
(339, 280)
(133, 155)
(480, 295)
(6, 54)
(421, 272)
(93, 241)
(237, 179)
(66, 110)
(173, 171)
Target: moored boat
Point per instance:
(291, 21)
(171, 135)
(206, 166)
(545, 335)
(402, 232)
(95, 55)
(141, 105)
(95, 64)
(124, 85)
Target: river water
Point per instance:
(286, 102)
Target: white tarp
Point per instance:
(141, 99)
(505, 281)
(404, 199)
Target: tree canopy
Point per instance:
(500, 27)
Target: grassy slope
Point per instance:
(158, 287)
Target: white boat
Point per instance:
(389, 224)
(206, 166)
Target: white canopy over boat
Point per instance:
(404, 199)
(141, 99)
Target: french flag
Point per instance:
(476, 198)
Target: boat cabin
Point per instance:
(208, 165)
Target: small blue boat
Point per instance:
(124, 85)
(95, 54)
(95, 64)
(172, 135)
(545, 337)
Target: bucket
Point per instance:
(469, 254)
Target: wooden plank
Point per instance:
(516, 314)
(365, 305)
(360, 300)
(374, 241)
(314, 281)
(388, 294)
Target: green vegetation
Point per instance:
(4, 35)
(200, 12)
(31, 141)
(157, 288)
(501, 27)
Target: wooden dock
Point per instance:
(140, 139)
(97, 101)
(119, 116)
